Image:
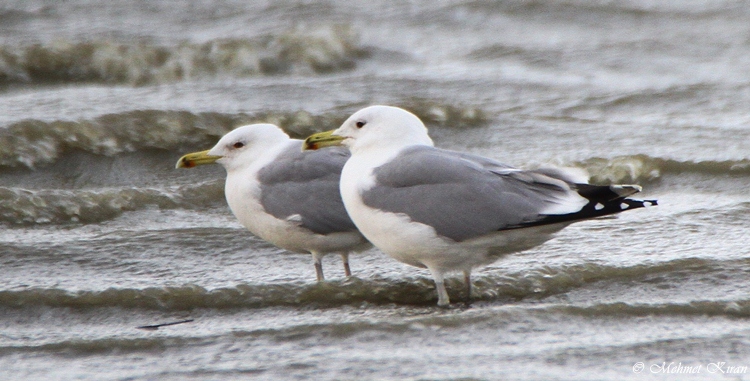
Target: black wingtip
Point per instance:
(605, 200)
(595, 209)
(627, 204)
(598, 209)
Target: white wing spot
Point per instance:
(624, 206)
(295, 219)
(599, 206)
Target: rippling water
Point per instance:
(101, 235)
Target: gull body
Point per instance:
(283, 195)
(451, 211)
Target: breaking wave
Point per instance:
(56, 206)
(407, 291)
(321, 50)
(31, 143)
(637, 168)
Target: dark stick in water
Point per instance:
(154, 327)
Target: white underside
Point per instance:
(419, 245)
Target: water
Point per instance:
(100, 234)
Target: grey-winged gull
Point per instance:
(284, 195)
(451, 211)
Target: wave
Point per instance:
(31, 143)
(531, 56)
(638, 168)
(242, 296)
(548, 281)
(322, 50)
(585, 10)
(459, 319)
(56, 206)
(536, 284)
(734, 308)
(57, 203)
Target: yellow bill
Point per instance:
(321, 140)
(196, 158)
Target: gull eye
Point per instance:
(360, 124)
(238, 145)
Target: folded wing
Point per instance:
(303, 187)
(464, 196)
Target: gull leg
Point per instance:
(345, 260)
(467, 280)
(318, 266)
(443, 299)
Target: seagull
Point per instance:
(451, 211)
(284, 195)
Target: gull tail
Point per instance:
(602, 201)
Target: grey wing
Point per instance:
(462, 196)
(304, 186)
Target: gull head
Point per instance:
(374, 127)
(238, 148)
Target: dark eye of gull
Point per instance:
(360, 124)
(238, 145)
